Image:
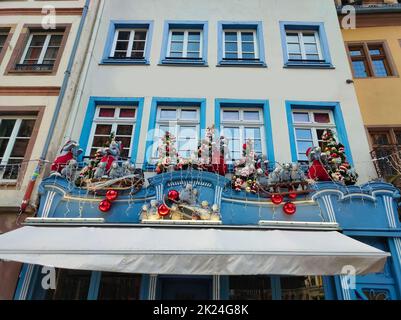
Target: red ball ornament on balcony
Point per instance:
(289, 208)
(292, 195)
(111, 195)
(163, 210)
(277, 198)
(173, 195)
(105, 205)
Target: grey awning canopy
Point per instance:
(206, 251)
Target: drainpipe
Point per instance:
(60, 99)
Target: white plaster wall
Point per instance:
(273, 83)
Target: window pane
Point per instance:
(231, 46)
(127, 113)
(188, 132)
(251, 115)
(119, 286)
(107, 112)
(55, 40)
(100, 141)
(12, 169)
(70, 285)
(138, 46)
(309, 38)
(359, 69)
(194, 36)
(295, 56)
(301, 117)
(125, 141)
(51, 53)
(250, 288)
(177, 46)
(140, 35)
(230, 115)
(247, 36)
(380, 138)
(257, 145)
(248, 56)
(169, 114)
(189, 114)
(292, 38)
(305, 134)
(231, 56)
(125, 130)
(122, 46)
(26, 128)
(355, 52)
(380, 68)
(252, 133)
(319, 133)
(312, 57)
(231, 36)
(177, 36)
(302, 288)
(248, 47)
(303, 146)
(19, 148)
(38, 40)
(398, 136)
(194, 46)
(103, 129)
(294, 48)
(3, 146)
(124, 35)
(231, 133)
(193, 55)
(311, 49)
(322, 117)
(176, 54)
(6, 127)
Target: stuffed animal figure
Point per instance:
(316, 170)
(68, 152)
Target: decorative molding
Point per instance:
(38, 12)
(29, 91)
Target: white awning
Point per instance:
(191, 250)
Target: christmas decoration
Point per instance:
(163, 210)
(69, 153)
(249, 170)
(111, 195)
(317, 163)
(105, 205)
(168, 156)
(338, 169)
(173, 195)
(212, 153)
(289, 208)
(277, 199)
(292, 195)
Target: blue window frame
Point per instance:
(251, 106)
(305, 45)
(185, 43)
(241, 44)
(92, 112)
(158, 104)
(335, 111)
(128, 42)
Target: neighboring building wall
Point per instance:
(274, 83)
(32, 94)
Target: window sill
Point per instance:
(30, 72)
(375, 78)
(124, 62)
(309, 65)
(184, 62)
(241, 63)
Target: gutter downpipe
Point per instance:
(67, 74)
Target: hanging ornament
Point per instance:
(111, 195)
(277, 198)
(289, 208)
(105, 205)
(173, 195)
(292, 195)
(163, 210)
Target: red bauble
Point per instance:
(292, 196)
(111, 195)
(105, 205)
(277, 198)
(173, 195)
(163, 210)
(289, 208)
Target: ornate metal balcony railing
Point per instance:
(387, 161)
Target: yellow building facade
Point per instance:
(374, 53)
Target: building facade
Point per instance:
(267, 74)
(36, 44)
(374, 50)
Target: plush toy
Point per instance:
(69, 171)
(100, 170)
(116, 171)
(274, 177)
(68, 152)
(238, 184)
(296, 173)
(316, 169)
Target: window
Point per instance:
(241, 44)
(120, 120)
(181, 122)
(3, 37)
(305, 45)
(15, 134)
(119, 286)
(302, 288)
(309, 127)
(41, 51)
(250, 288)
(370, 60)
(128, 42)
(241, 124)
(184, 43)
